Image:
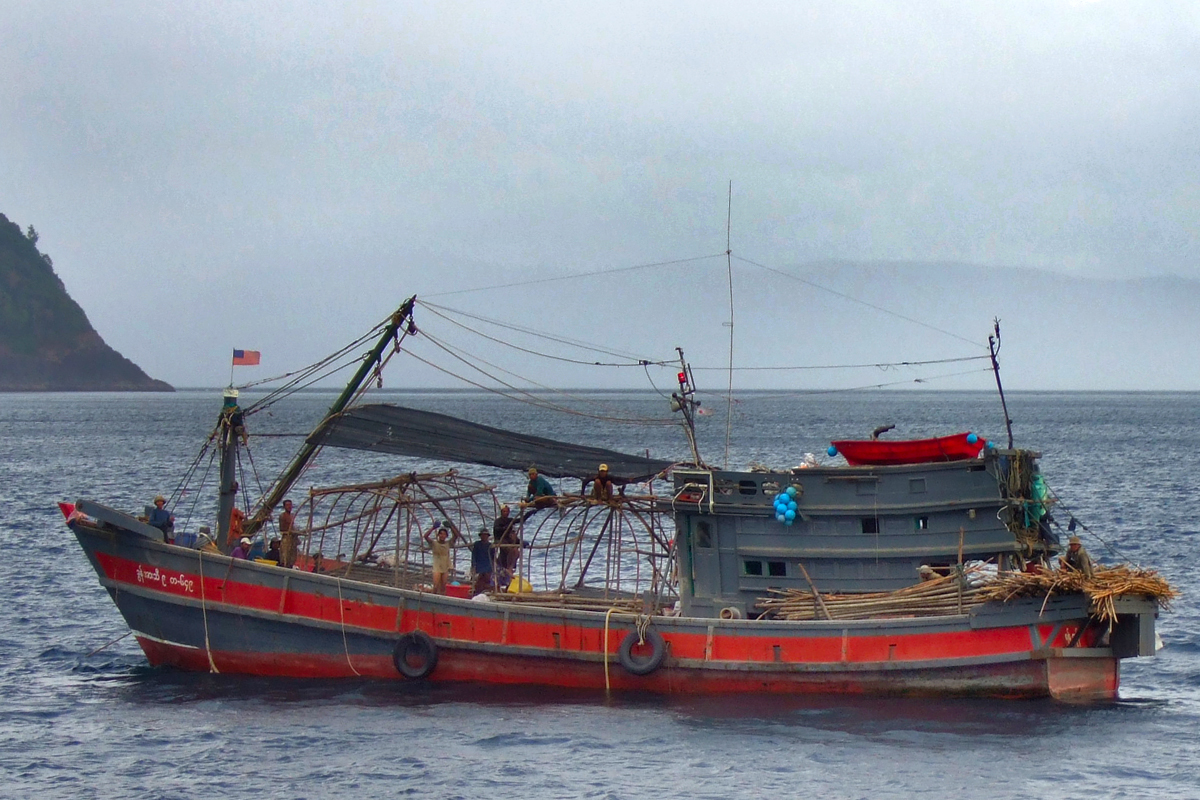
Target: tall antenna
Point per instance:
(729, 271)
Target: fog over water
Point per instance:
(278, 176)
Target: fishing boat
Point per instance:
(855, 578)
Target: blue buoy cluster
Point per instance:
(974, 438)
(785, 506)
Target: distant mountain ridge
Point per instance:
(1060, 332)
(46, 340)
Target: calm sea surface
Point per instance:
(106, 725)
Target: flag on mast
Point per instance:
(246, 358)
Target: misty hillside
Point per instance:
(46, 341)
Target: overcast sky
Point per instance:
(279, 176)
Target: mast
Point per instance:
(682, 402)
(994, 348)
(284, 484)
(230, 427)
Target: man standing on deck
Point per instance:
(287, 533)
(161, 518)
(440, 550)
(508, 545)
(1077, 558)
(481, 562)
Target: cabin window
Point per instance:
(865, 487)
(753, 567)
(921, 523)
(777, 569)
(916, 485)
(703, 535)
(747, 487)
(870, 524)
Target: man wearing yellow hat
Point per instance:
(602, 485)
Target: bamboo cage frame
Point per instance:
(577, 552)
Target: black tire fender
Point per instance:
(642, 664)
(415, 656)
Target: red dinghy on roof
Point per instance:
(878, 452)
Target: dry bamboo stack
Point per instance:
(1107, 584)
(938, 597)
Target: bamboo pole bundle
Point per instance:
(931, 598)
(941, 596)
(1102, 589)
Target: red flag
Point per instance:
(246, 358)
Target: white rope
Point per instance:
(345, 645)
(212, 667)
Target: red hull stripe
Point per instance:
(561, 636)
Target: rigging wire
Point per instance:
(877, 365)
(303, 378)
(212, 458)
(814, 392)
(1079, 523)
(636, 360)
(181, 487)
(852, 299)
(308, 368)
(530, 399)
(463, 356)
(657, 391)
(592, 274)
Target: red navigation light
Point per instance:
(682, 378)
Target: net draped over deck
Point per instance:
(385, 428)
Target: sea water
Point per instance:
(105, 725)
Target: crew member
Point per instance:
(242, 551)
(440, 549)
(288, 535)
(602, 485)
(481, 562)
(507, 536)
(161, 518)
(1077, 558)
(539, 494)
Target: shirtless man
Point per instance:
(603, 485)
(287, 534)
(440, 549)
